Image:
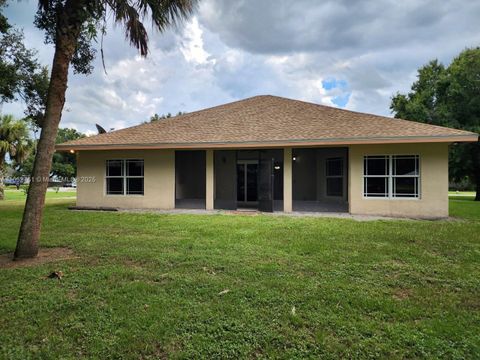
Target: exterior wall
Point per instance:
(433, 201)
(159, 174)
(210, 185)
(287, 180)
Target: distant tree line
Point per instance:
(18, 149)
(157, 117)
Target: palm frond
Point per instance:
(163, 13)
(4, 148)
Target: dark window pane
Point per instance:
(405, 187)
(376, 187)
(240, 182)
(252, 182)
(115, 186)
(376, 166)
(405, 165)
(135, 186)
(134, 167)
(335, 186)
(335, 167)
(114, 167)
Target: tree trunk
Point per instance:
(27, 244)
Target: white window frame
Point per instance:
(124, 176)
(390, 177)
(339, 177)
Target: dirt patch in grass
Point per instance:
(44, 256)
(402, 294)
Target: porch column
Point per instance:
(287, 179)
(209, 181)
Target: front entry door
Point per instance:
(265, 182)
(247, 184)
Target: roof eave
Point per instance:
(274, 144)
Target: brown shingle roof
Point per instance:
(269, 121)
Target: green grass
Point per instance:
(462, 205)
(462, 194)
(20, 196)
(147, 286)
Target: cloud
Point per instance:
(375, 47)
(344, 53)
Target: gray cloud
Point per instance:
(233, 50)
(284, 26)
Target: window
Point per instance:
(391, 176)
(334, 176)
(125, 177)
(405, 176)
(375, 173)
(115, 177)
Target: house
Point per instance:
(272, 154)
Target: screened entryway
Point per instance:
(190, 179)
(319, 179)
(247, 183)
(249, 179)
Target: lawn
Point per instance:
(19, 195)
(222, 286)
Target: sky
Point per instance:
(344, 53)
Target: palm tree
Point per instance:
(68, 21)
(14, 142)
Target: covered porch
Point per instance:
(267, 180)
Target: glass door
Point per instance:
(247, 185)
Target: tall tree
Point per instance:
(449, 96)
(14, 142)
(20, 72)
(71, 25)
(35, 96)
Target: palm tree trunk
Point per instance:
(27, 244)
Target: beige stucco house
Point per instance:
(271, 154)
